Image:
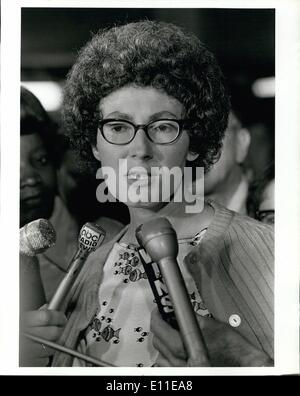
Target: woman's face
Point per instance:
(140, 105)
(37, 180)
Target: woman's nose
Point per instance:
(141, 146)
(29, 176)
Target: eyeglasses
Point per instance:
(163, 131)
(266, 216)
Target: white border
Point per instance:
(287, 186)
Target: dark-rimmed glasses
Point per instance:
(120, 132)
(265, 216)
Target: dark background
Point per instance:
(242, 39)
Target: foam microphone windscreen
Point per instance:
(36, 237)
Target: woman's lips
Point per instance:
(141, 180)
(33, 200)
(138, 176)
(142, 177)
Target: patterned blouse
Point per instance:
(120, 331)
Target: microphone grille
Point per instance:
(36, 237)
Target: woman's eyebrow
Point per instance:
(119, 115)
(154, 116)
(162, 114)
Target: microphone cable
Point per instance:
(69, 351)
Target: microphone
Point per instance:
(90, 238)
(157, 283)
(160, 241)
(34, 238)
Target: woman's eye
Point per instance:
(118, 128)
(164, 127)
(41, 160)
(268, 219)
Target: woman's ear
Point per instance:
(243, 140)
(192, 156)
(96, 153)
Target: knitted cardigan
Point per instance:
(232, 268)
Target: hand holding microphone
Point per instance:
(42, 328)
(160, 241)
(35, 238)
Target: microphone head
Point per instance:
(91, 237)
(36, 237)
(159, 239)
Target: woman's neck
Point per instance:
(174, 212)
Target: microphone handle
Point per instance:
(159, 288)
(185, 315)
(68, 280)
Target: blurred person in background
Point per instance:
(37, 194)
(227, 182)
(37, 161)
(261, 201)
(261, 126)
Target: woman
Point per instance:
(153, 95)
(37, 163)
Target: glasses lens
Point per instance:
(163, 131)
(266, 216)
(118, 132)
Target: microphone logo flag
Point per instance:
(91, 236)
(159, 288)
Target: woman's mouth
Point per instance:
(142, 177)
(33, 200)
(138, 176)
(142, 180)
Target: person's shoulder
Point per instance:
(250, 237)
(237, 242)
(253, 231)
(241, 221)
(237, 232)
(247, 222)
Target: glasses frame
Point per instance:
(143, 127)
(261, 214)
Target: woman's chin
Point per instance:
(154, 206)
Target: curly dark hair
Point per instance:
(148, 53)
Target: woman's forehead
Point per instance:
(133, 98)
(32, 141)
